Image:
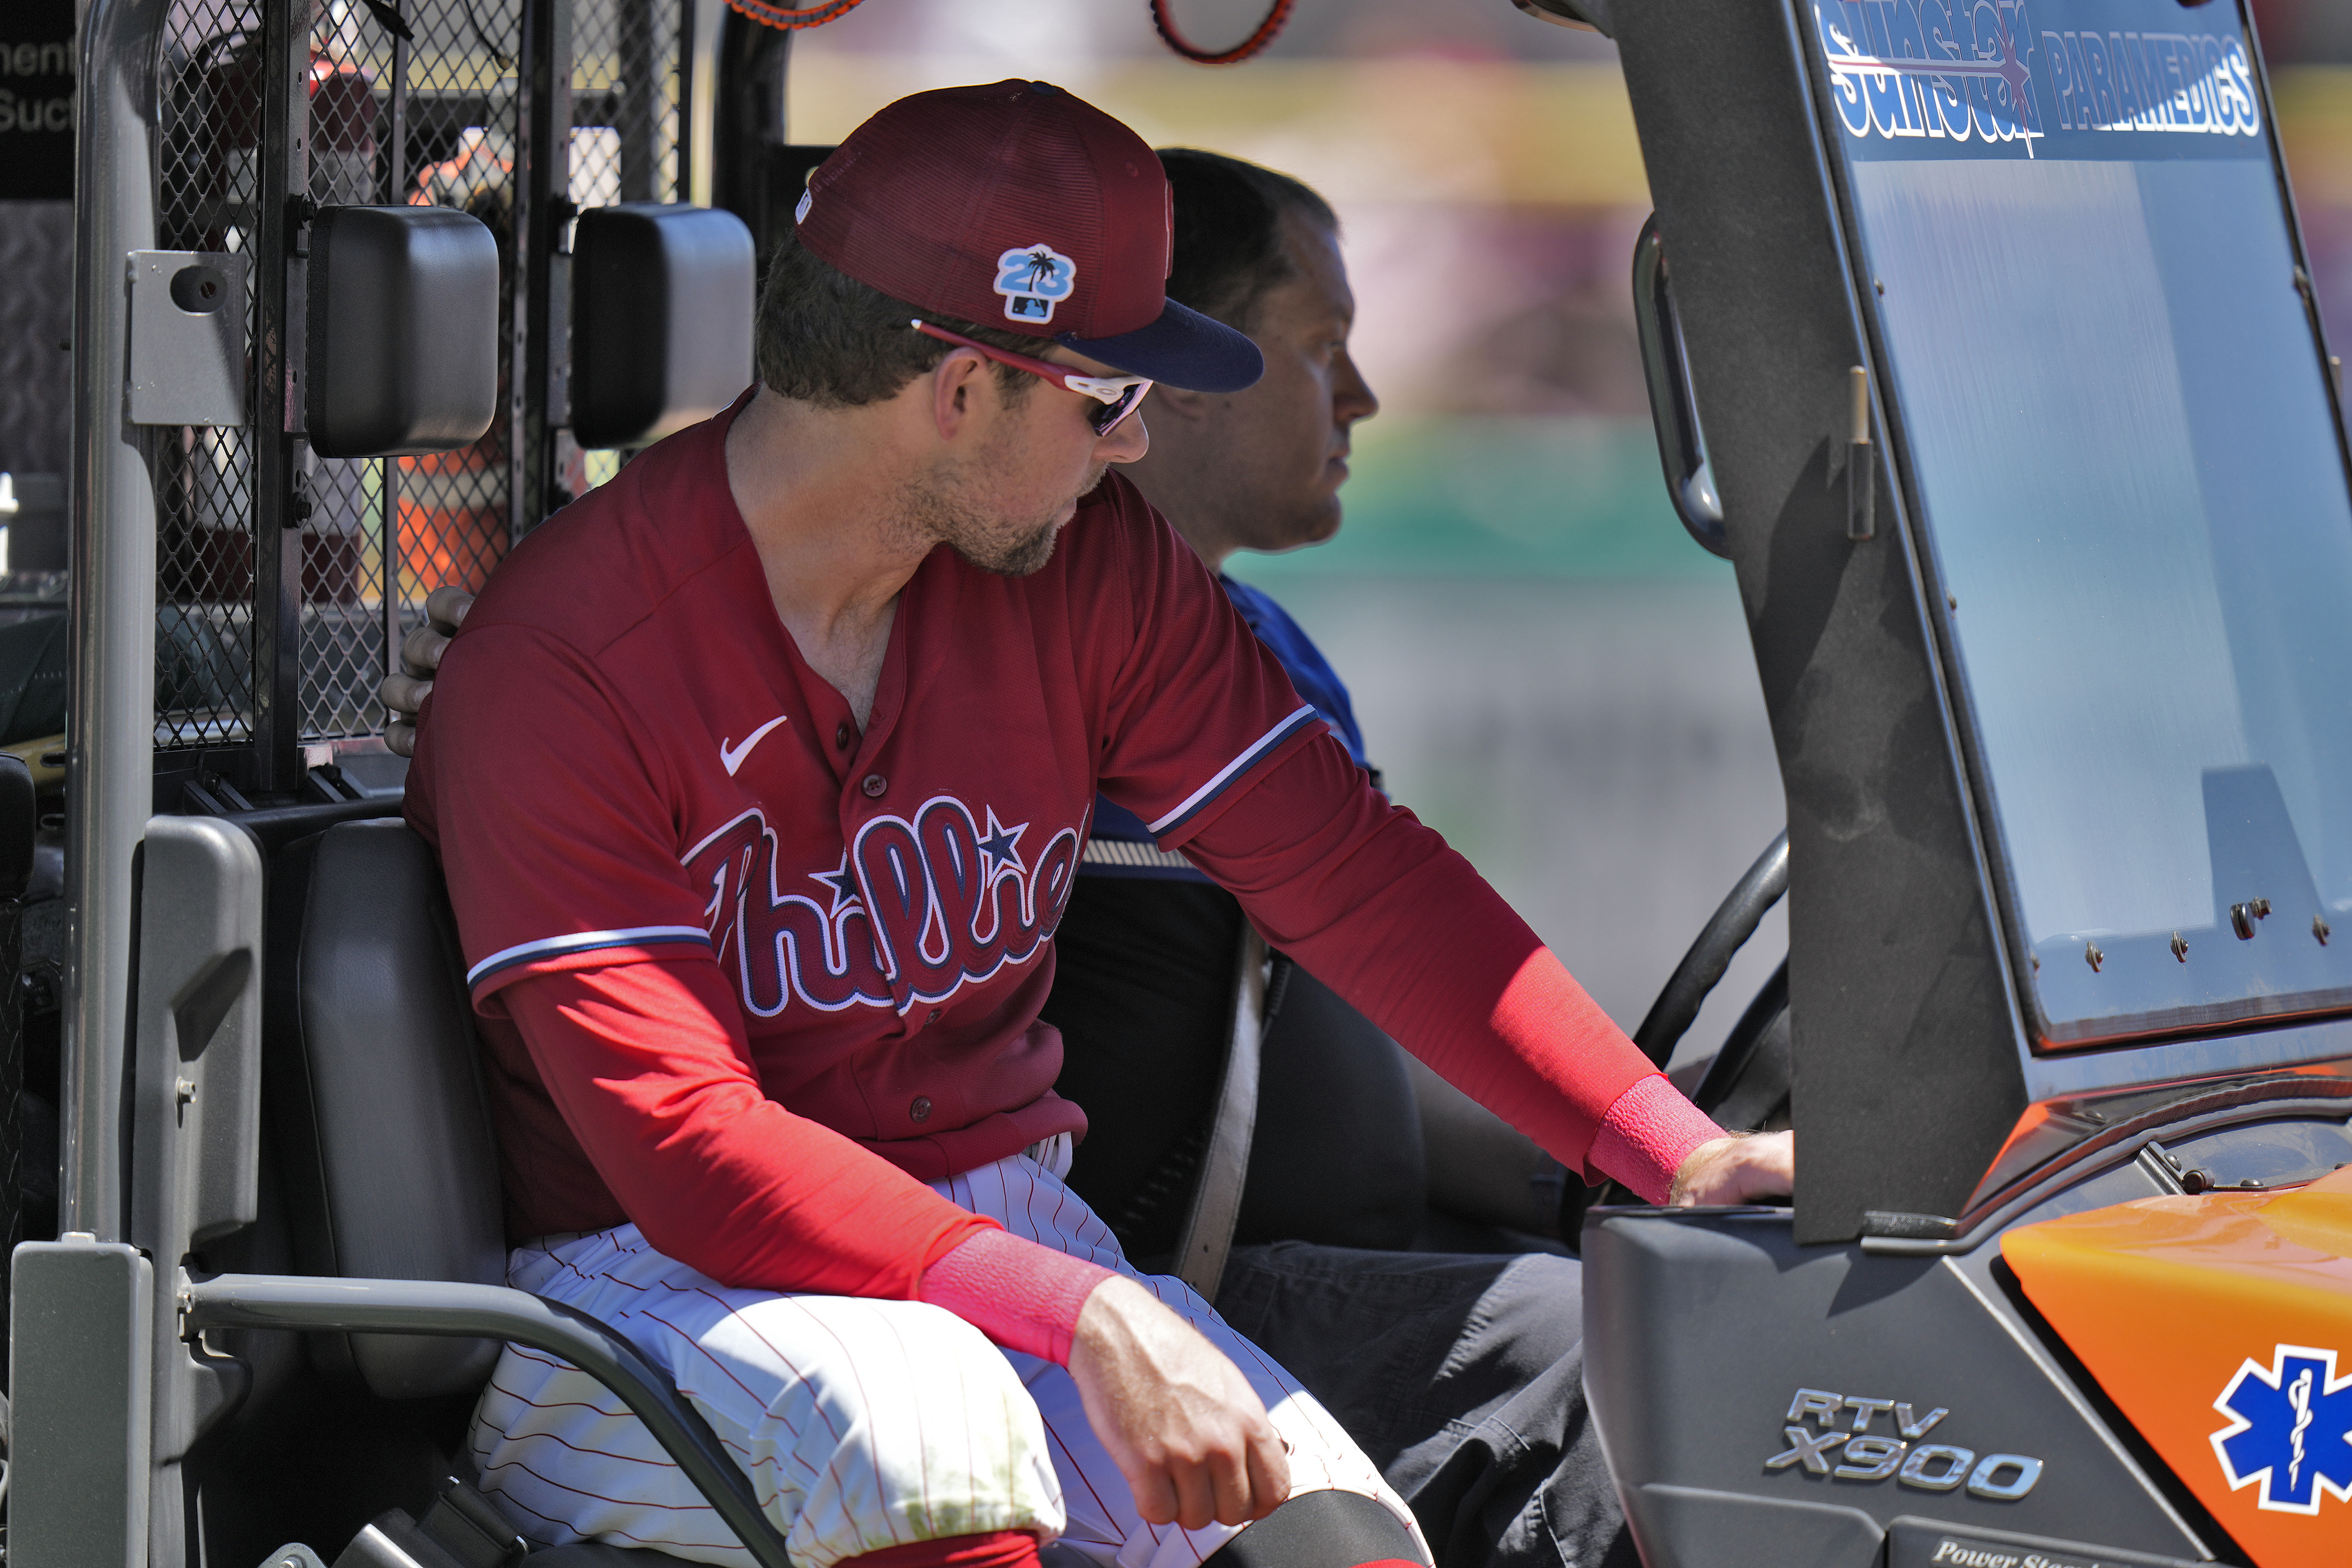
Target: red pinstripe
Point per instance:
(556, 1404)
(1076, 1469)
(873, 1446)
(512, 1436)
(922, 1440)
(546, 1479)
(817, 1404)
(775, 1350)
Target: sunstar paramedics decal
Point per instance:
(1987, 78)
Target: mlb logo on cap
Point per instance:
(1017, 203)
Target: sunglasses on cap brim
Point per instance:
(1119, 395)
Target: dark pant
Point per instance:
(1462, 1377)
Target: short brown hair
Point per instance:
(823, 337)
(1229, 249)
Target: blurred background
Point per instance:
(1547, 669)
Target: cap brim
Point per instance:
(1183, 348)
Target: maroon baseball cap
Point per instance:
(1020, 206)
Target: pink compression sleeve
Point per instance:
(1647, 1135)
(1022, 1296)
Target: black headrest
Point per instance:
(403, 328)
(661, 319)
(374, 1092)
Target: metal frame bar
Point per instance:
(543, 131)
(112, 702)
(683, 191)
(395, 171)
(278, 518)
(489, 1311)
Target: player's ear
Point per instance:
(955, 385)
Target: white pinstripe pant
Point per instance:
(863, 1424)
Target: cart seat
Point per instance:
(383, 1135)
(383, 1132)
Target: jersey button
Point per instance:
(841, 736)
(921, 1110)
(873, 786)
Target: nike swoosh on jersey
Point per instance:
(732, 756)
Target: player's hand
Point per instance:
(1739, 1169)
(1183, 1426)
(404, 690)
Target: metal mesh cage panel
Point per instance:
(624, 102)
(212, 94)
(435, 121)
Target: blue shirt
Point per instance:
(1119, 844)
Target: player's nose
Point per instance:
(1351, 395)
(1127, 440)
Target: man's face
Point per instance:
(1278, 450)
(1001, 501)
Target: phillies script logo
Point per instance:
(914, 910)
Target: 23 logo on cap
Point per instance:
(1034, 278)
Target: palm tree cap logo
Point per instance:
(1034, 278)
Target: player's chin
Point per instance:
(1021, 556)
(1322, 524)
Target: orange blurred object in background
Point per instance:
(453, 517)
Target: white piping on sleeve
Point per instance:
(1226, 774)
(584, 941)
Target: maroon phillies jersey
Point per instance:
(626, 758)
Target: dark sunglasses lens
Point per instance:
(1108, 420)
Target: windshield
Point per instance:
(2112, 397)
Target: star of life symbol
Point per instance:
(1034, 278)
(2290, 1430)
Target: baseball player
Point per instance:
(759, 783)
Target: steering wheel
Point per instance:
(1702, 968)
(1750, 1076)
